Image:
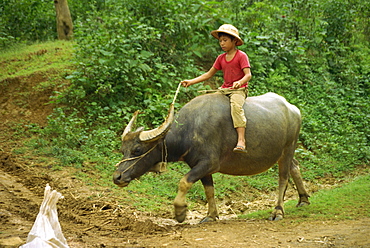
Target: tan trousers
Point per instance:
(237, 99)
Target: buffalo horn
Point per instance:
(130, 124)
(160, 131)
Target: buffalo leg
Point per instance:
(284, 169)
(180, 200)
(200, 171)
(209, 189)
(297, 178)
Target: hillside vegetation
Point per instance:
(130, 55)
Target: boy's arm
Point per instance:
(201, 78)
(247, 77)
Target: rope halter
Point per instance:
(133, 158)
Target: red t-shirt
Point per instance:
(233, 69)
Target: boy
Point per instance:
(236, 69)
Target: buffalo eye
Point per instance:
(137, 151)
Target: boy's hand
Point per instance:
(186, 83)
(237, 85)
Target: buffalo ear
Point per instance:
(159, 132)
(158, 167)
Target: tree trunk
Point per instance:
(64, 20)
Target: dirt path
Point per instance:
(102, 223)
(238, 233)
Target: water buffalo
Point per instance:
(202, 135)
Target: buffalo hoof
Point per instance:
(301, 204)
(277, 214)
(180, 214)
(207, 219)
(276, 217)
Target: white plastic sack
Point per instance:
(46, 231)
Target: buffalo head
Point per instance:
(141, 150)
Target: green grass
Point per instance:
(22, 60)
(350, 201)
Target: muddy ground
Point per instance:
(103, 223)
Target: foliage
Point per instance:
(128, 63)
(307, 52)
(125, 64)
(26, 20)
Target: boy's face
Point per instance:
(226, 43)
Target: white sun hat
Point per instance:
(228, 29)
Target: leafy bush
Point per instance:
(27, 20)
(30, 21)
(127, 63)
(123, 63)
